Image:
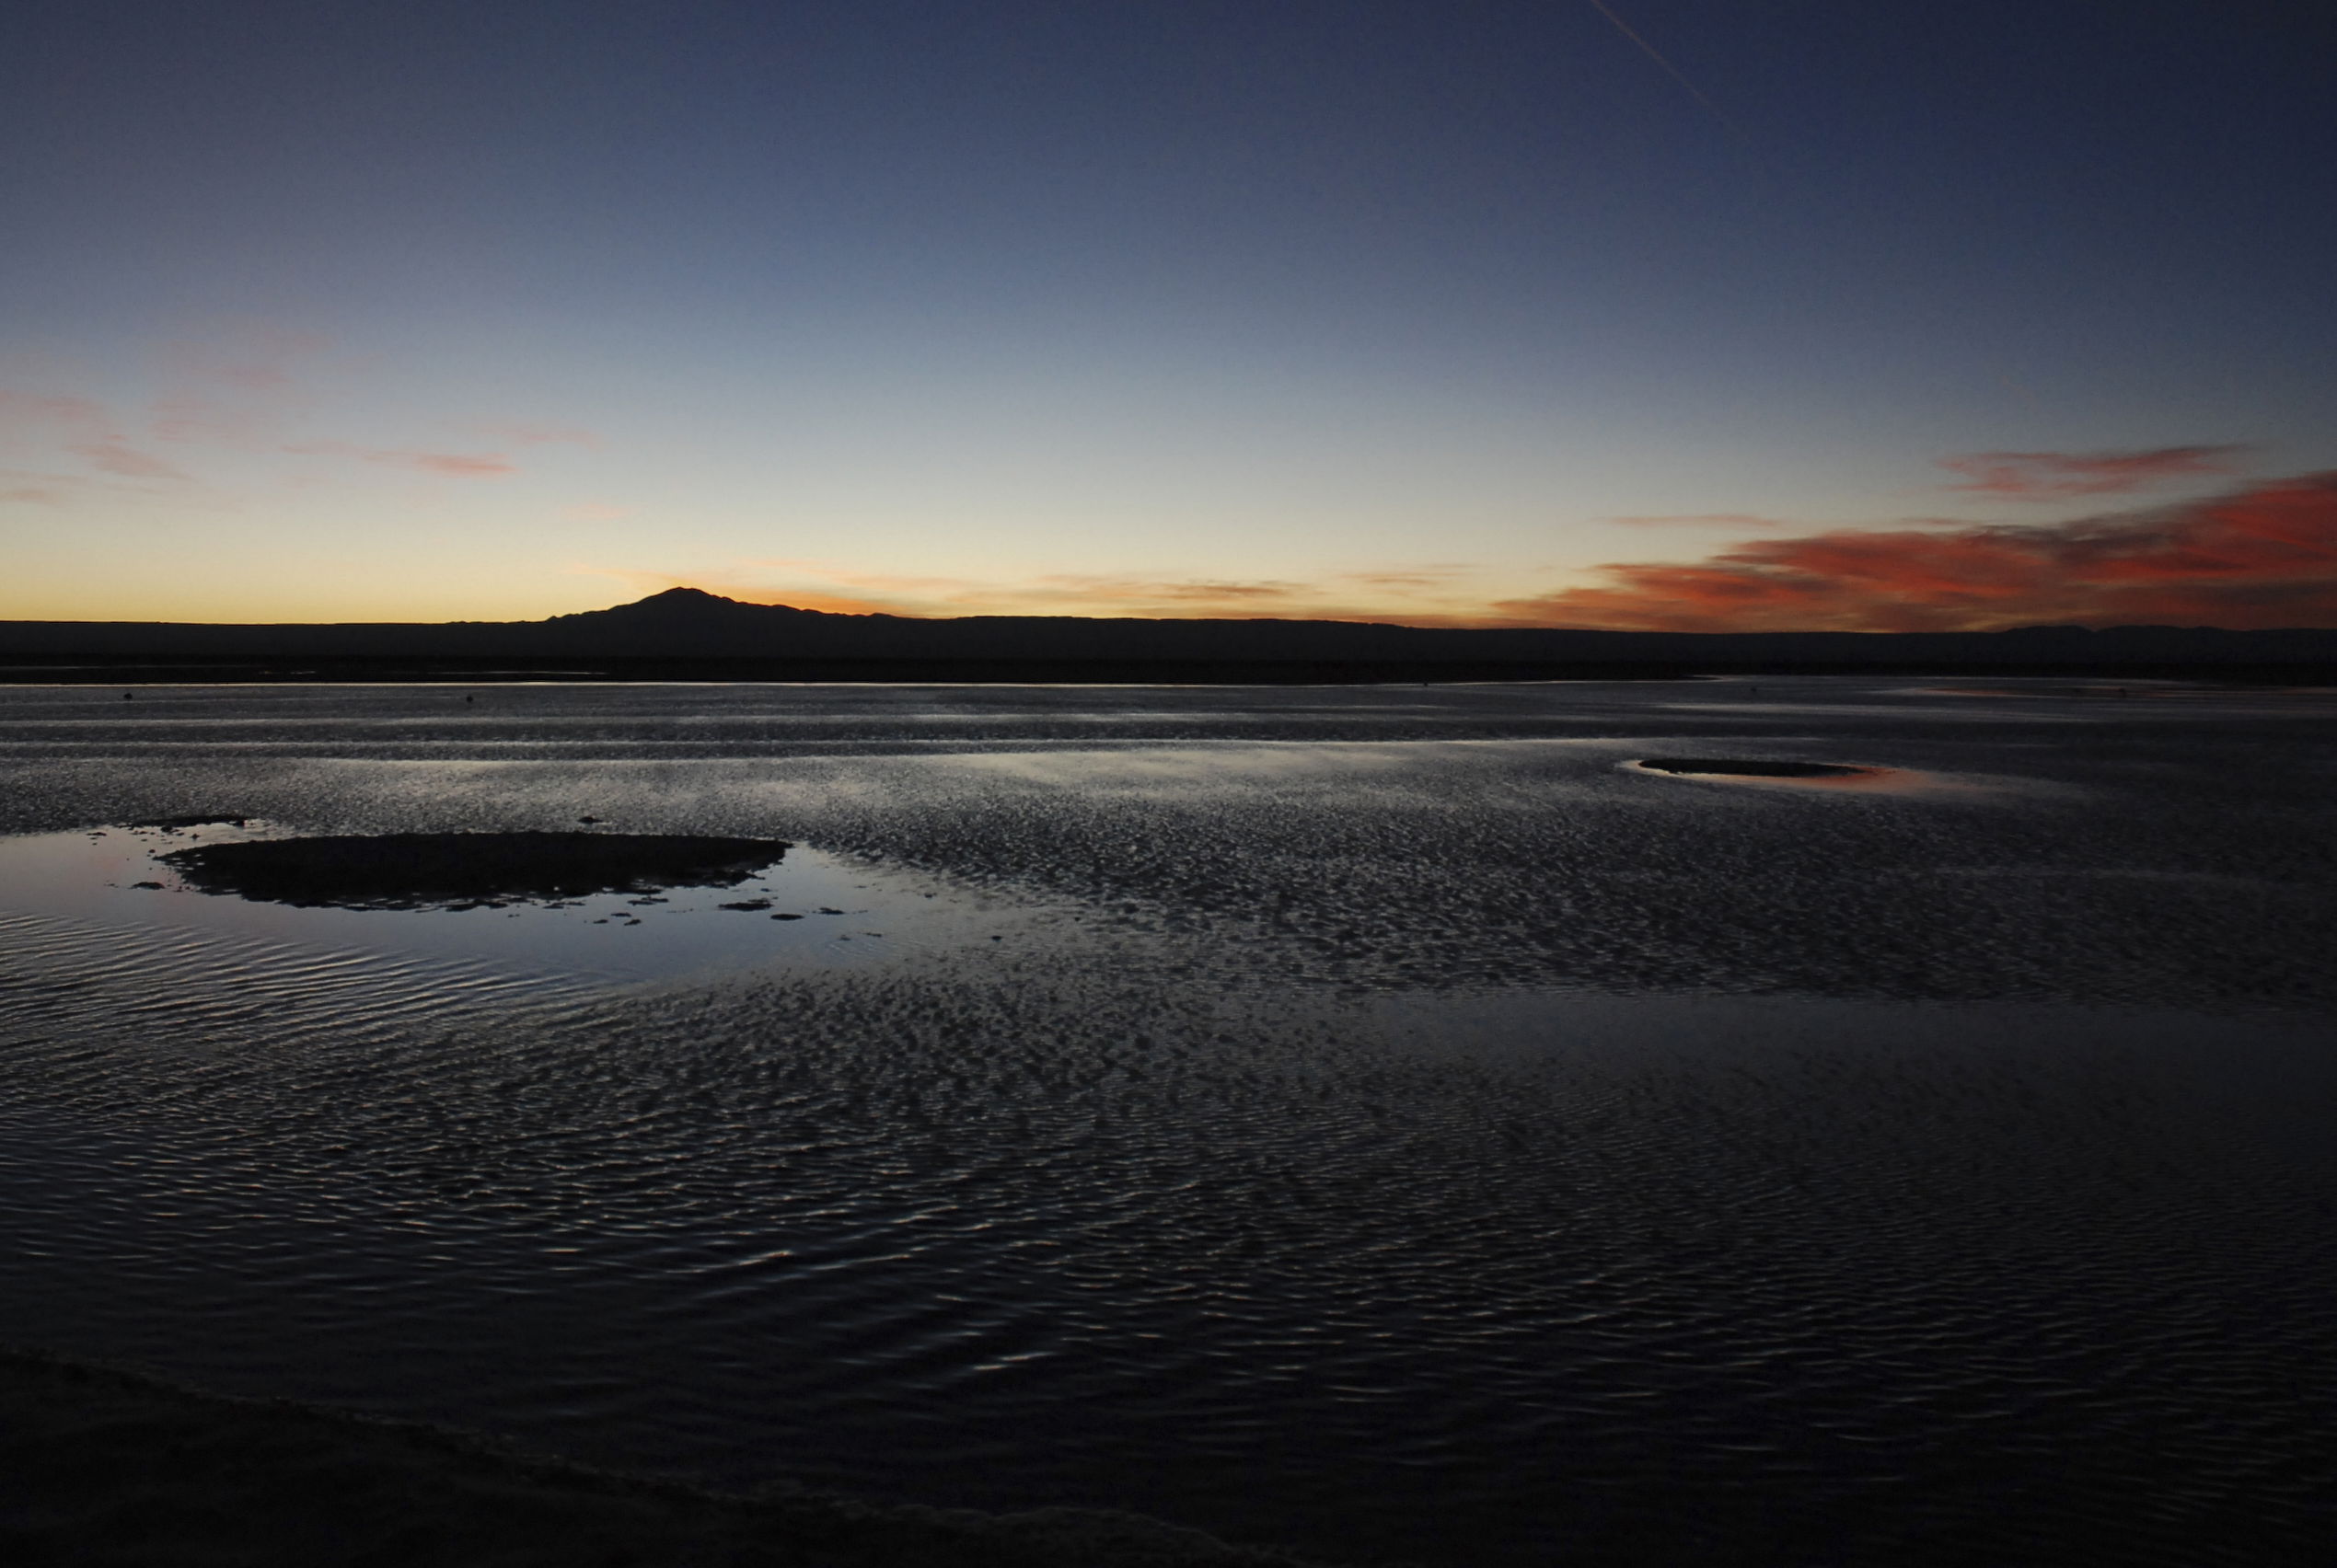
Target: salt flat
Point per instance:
(1384, 1120)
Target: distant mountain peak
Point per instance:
(685, 607)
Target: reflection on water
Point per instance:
(808, 907)
(1382, 1123)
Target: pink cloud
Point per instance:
(1089, 590)
(83, 427)
(110, 455)
(36, 410)
(458, 465)
(2265, 556)
(2055, 476)
(455, 465)
(1420, 579)
(242, 396)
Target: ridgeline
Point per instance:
(686, 634)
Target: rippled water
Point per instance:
(1381, 1120)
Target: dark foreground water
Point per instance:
(1386, 1122)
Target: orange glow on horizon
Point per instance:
(2259, 558)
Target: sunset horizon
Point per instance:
(1665, 317)
(2254, 558)
(1167, 782)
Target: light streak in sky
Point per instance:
(1674, 71)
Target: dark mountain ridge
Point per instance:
(689, 626)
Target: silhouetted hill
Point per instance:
(690, 612)
(687, 625)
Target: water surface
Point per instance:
(1388, 1121)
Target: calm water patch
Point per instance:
(805, 907)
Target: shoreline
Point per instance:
(246, 668)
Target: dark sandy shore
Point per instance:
(103, 1467)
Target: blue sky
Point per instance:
(1401, 311)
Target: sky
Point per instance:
(1706, 314)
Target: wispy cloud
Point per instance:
(2264, 556)
(21, 412)
(32, 487)
(2059, 476)
(1701, 520)
(77, 428)
(110, 455)
(1072, 589)
(252, 394)
(454, 465)
(1429, 579)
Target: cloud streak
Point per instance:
(110, 455)
(81, 428)
(21, 412)
(2264, 555)
(452, 464)
(2059, 475)
(240, 399)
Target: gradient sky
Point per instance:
(1657, 313)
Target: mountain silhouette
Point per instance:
(687, 627)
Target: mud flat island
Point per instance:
(422, 871)
(102, 1466)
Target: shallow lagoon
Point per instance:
(1385, 1121)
